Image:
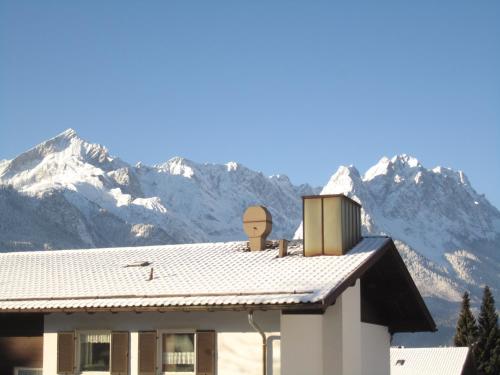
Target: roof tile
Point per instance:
(184, 275)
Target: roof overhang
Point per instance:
(292, 308)
(390, 297)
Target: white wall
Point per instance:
(328, 344)
(49, 353)
(350, 302)
(239, 347)
(302, 344)
(335, 343)
(376, 342)
(332, 340)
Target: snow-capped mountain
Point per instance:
(448, 234)
(69, 193)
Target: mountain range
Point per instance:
(69, 193)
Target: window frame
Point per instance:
(159, 349)
(78, 367)
(17, 369)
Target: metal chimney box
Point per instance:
(331, 224)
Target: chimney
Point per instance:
(331, 224)
(257, 223)
(283, 248)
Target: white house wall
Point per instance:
(350, 304)
(301, 344)
(376, 342)
(333, 343)
(328, 344)
(239, 347)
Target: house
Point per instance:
(325, 305)
(432, 361)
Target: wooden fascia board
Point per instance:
(351, 279)
(140, 309)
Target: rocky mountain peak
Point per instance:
(67, 192)
(178, 166)
(345, 180)
(402, 164)
(232, 166)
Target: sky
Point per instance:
(290, 87)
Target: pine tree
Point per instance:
(466, 331)
(488, 345)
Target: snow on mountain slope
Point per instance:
(69, 193)
(177, 201)
(447, 233)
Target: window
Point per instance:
(177, 353)
(94, 351)
(27, 371)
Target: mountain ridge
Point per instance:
(447, 233)
(89, 178)
(68, 193)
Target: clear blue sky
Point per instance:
(294, 87)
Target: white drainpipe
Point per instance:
(264, 341)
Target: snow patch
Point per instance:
(405, 159)
(177, 166)
(343, 181)
(231, 166)
(379, 169)
(153, 203)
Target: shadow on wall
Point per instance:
(21, 341)
(18, 351)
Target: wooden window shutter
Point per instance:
(205, 353)
(66, 353)
(147, 353)
(119, 353)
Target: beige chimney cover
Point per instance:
(257, 223)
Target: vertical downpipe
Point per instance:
(264, 341)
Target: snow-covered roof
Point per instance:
(190, 276)
(429, 361)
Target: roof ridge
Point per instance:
(116, 248)
(292, 242)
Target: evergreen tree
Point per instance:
(466, 331)
(488, 344)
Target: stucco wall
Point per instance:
(239, 348)
(328, 344)
(375, 349)
(350, 303)
(334, 343)
(302, 344)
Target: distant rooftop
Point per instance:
(430, 361)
